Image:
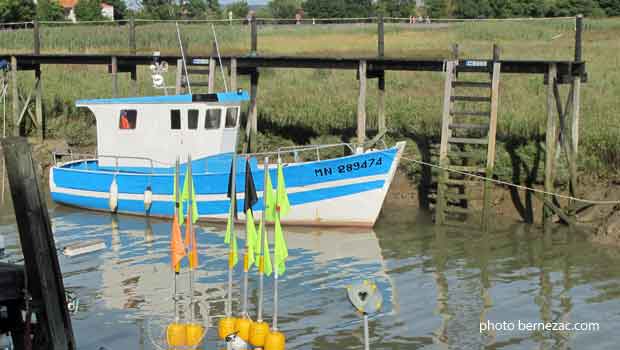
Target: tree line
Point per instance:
(88, 10)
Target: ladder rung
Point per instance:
(468, 141)
(200, 83)
(470, 114)
(469, 126)
(476, 84)
(458, 210)
(457, 182)
(459, 197)
(197, 71)
(459, 154)
(471, 98)
(467, 168)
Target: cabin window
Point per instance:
(231, 117)
(192, 119)
(175, 119)
(212, 119)
(127, 119)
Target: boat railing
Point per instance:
(58, 156)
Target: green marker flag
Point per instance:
(267, 267)
(251, 237)
(269, 199)
(185, 197)
(282, 204)
(259, 245)
(231, 239)
(280, 249)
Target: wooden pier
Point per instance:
(555, 72)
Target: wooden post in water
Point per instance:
(36, 40)
(381, 122)
(492, 133)
(179, 80)
(212, 69)
(15, 96)
(254, 36)
(132, 36)
(38, 102)
(233, 74)
(576, 111)
(551, 141)
(134, 80)
(114, 70)
(252, 124)
(44, 278)
(361, 106)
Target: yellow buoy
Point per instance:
(243, 326)
(226, 327)
(275, 341)
(176, 334)
(258, 333)
(194, 334)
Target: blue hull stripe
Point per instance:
(296, 175)
(162, 208)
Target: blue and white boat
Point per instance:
(139, 139)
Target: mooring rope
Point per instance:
(510, 184)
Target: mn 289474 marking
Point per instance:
(349, 167)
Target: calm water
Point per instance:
(438, 284)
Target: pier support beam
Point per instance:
(551, 142)
(38, 103)
(114, 76)
(381, 123)
(132, 36)
(15, 96)
(361, 105)
(233, 74)
(252, 123)
(44, 278)
(212, 70)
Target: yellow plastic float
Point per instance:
(194, 334)
(176, 335)
(258, 333)
(242, 326)
(275, 341)
(226, 327)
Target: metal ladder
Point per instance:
(469, 124)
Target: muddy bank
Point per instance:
(601, 222)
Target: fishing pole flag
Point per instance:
(190, 234)
(177, 248)
(282, 208)
(185, 196)
(250, 198)
(269, 198)
(231, 237)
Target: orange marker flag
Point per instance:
(190, 243)
(177, 248)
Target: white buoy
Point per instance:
(148, 199)
(81, 248)
(114, 195)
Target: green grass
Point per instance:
(303, 105)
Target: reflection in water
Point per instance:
(438, 284)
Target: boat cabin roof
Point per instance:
(217, 98)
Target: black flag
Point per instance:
(250, 189)
(230, 187)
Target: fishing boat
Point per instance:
(140, 138)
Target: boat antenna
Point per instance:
(189, 87)
(219, 57)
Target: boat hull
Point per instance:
(346, 191)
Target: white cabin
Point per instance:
(162, 128)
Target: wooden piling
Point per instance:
(15, 96)
(361, 105)
(36, 40)
(252, 124)
(381, 122)
(114, 76)
(576, 111)
(44, 278)
(551, 141)
(132, 36)
(179, 80)
(134, 80)
(38, 103)
(254, 37)
(492, 133)
(233, 74)
(212, 70)
(440, 209)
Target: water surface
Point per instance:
(438, 284)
